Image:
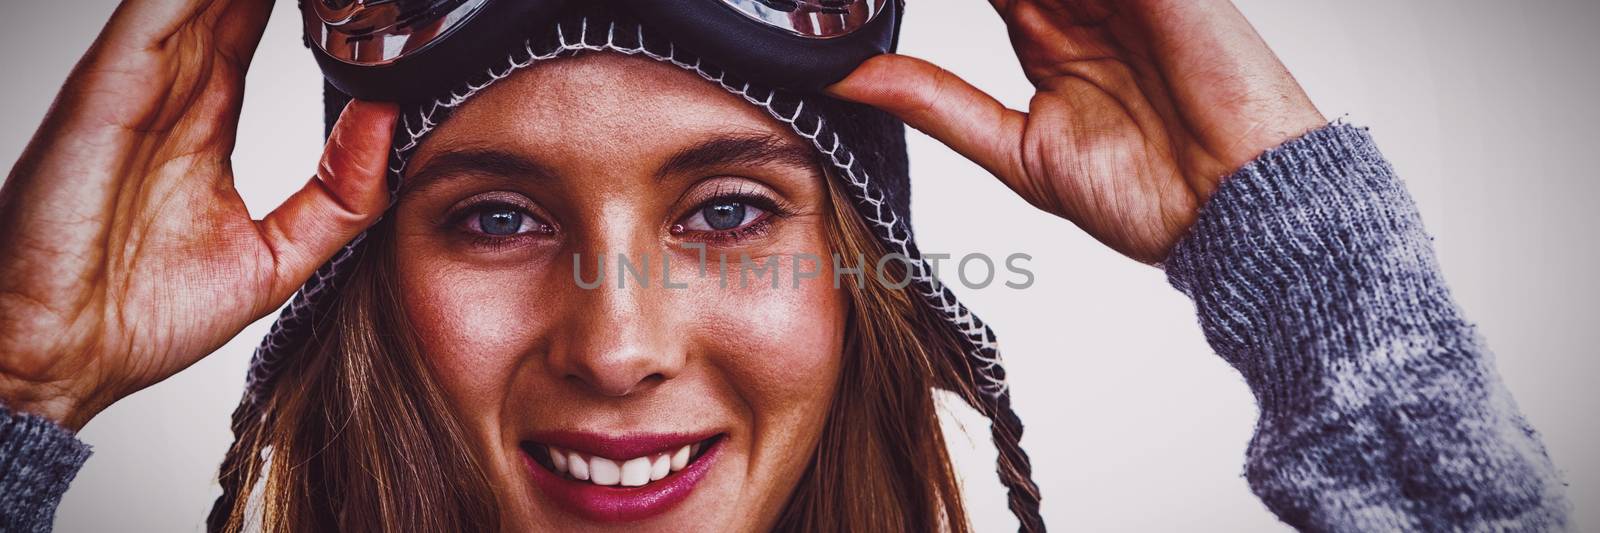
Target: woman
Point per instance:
(466, 378)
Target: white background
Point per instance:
(1485, 107)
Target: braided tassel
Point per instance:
(1016, 471)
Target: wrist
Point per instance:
(50, 401)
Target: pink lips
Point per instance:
(618, 503)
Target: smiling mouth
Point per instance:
(641, 470)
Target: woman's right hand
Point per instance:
(1141, 108)
(126, 254)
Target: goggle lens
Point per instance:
(379, 32)
(821, 19)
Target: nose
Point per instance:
(617, 341)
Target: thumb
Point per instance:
(347, 195)
(939, 103)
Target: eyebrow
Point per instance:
(758, 149)
(488, 162)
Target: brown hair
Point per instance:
(357, 436)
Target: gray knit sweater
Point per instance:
(1380, 406)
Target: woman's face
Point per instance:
(682, 405)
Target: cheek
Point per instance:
(780, 346)
(780, 351)
(472, 325)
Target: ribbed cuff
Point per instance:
(38, 460)
(1307, 259)
(1380, 407)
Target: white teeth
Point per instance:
(580, 467)
(680, 458)
(604, 471)
(559, 457)
(636, 472)
(660, 467)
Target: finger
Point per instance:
(347, 195)
(1068, 13)
(236, 25)
(156, 64)
(240, 25)
(1222, 70)
(169, 38)
(942, 105)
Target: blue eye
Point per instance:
(723, 216)
(500, 222)
(503, 222)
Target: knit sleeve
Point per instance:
(1380, 406)
(38, 459)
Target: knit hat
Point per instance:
(865, 147)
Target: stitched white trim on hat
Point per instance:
(888, 226)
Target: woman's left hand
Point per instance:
(1142, 107)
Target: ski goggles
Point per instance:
(408, 50)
